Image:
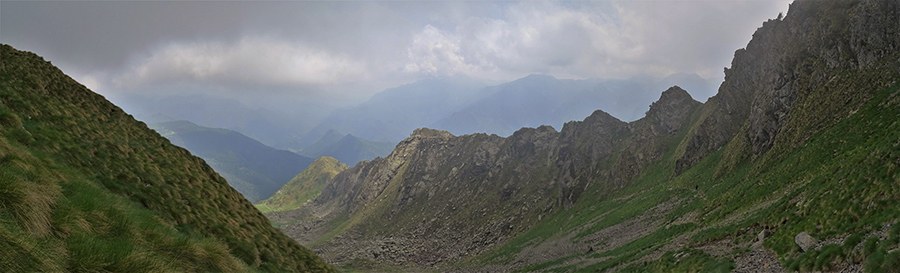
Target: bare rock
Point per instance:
(762, 235)
(805, 241)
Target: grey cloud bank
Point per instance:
(337, 53)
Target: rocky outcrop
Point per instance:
(789, 61)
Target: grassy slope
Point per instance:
(85, 187)
(304, 187)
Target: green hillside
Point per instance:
(304, 187)
(85, 187)
(255, 170)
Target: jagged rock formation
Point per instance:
(448, 197)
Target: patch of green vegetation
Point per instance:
(85, 187)
(685, 260)
(638, 248)
(304, 187)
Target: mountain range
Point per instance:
(463, 106)
(270, 126)
(791, 166)
(390, 115)
(255, 170)
(544, 100)
(347, 148)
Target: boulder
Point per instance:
(805, 241)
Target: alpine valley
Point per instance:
(793, 165)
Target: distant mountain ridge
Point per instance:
(347, 148)
(254, 169)
(272, 127)
(544, 100)
(466, 107)
(390, 115)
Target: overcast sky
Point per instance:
(348, 50)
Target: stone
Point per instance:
(805, 241)
(757, 246)
(762, 235)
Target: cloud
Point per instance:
(591, 39)
(250, 61)
(435, 52)
(532, 37)
(353, 49)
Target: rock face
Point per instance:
(439, 196)
(790, 60)
(805, 241)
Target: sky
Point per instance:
(342, 52)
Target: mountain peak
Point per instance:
(430, 133)
(324, 160)
(674, 94)
(671, 110)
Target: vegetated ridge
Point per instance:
(85, 187)
(304, 187)
(791, 166)
(255, 170)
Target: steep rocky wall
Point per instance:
(785, 62)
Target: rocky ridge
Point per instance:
(469, 193)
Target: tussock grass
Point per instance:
(85, 187)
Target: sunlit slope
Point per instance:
(305, 186)
(85, 187)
